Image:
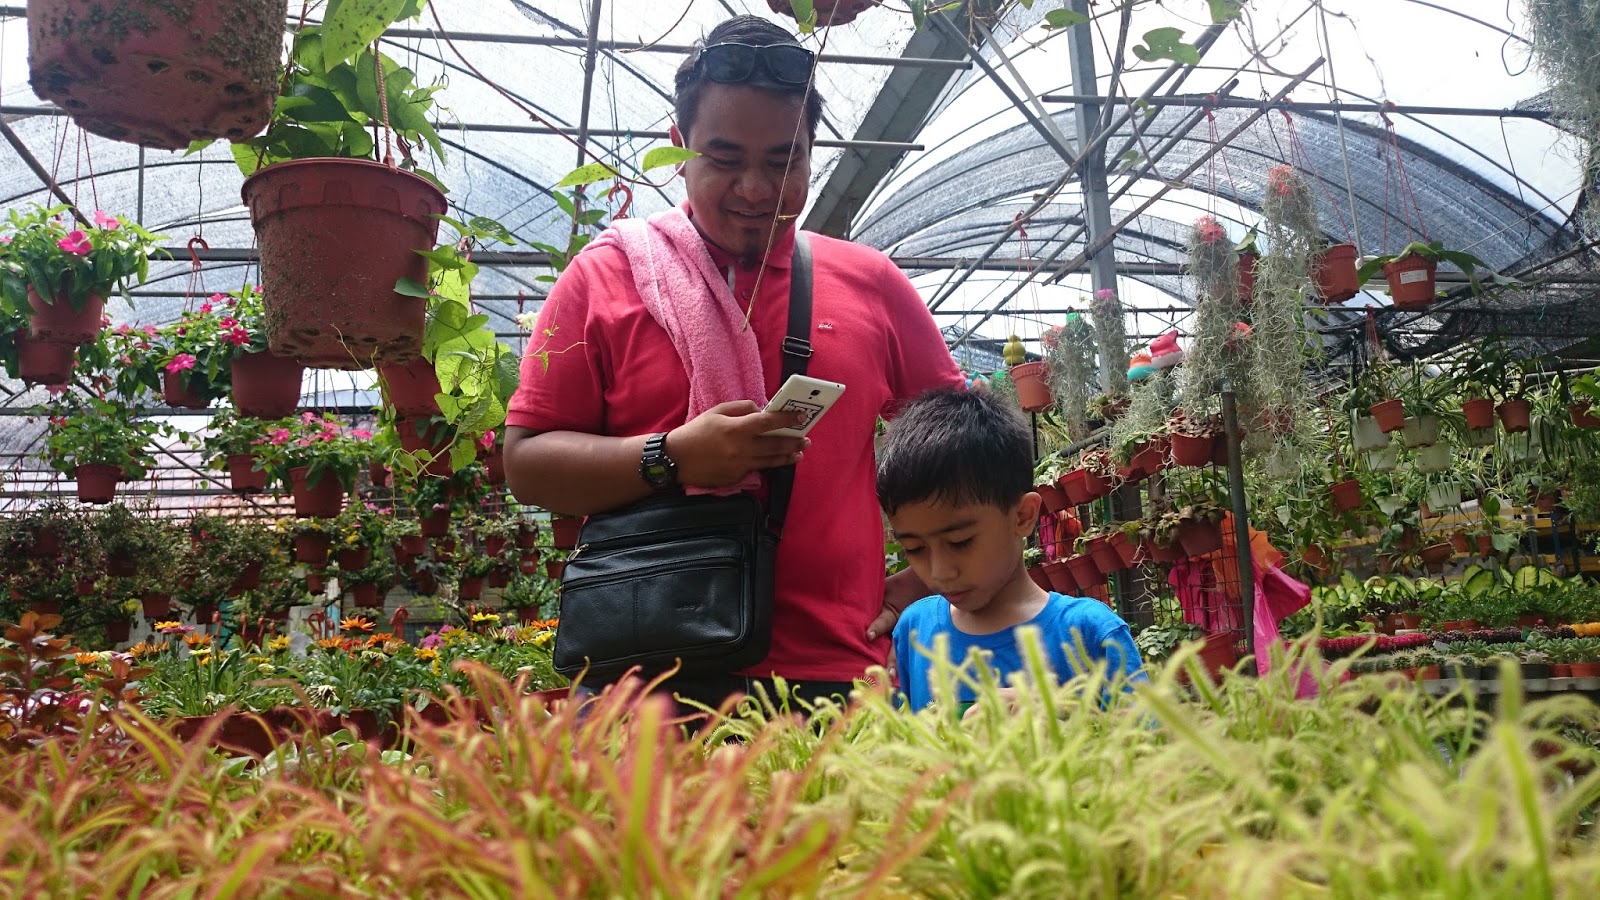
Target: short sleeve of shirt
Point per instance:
(919, 361)
(562, 386)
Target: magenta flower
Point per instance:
(5, 238)
(487, 441)
(361, 434)
(105, 321)
(76, 242)
(123, 328)
(149, 330)
(217, 298)
(1104, 294)
(278, 435)
(105, 220)
(303, 442)
(180, 362)
(227, 323)
(237, 337)
(205, 308)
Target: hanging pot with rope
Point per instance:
(156, 73)
(828, 12)
(336, 236)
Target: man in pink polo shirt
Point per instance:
(579, 424)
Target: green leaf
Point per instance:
(919, 12)
(1063, 18)
(407, 287)
(1225, 10)
(197, 146)
(246, 155)
(588, 174)
(350, 25)
(666, 156)
(507, 374)
(485, 227)
(310, 103)
(1167, 43)
(805, 15)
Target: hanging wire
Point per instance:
(1338, 118)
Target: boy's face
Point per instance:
(967, 553)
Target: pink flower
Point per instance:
(303, 442)
(205, 308)
(5, 238)
(217, 298)
(149, 330)
(182, 330)
(180, 362)
(237, 337)
(361, 434)
(1210, 232)
(308, 418)
(126, 359)
(1104, 294)
(105, 220)
(278, 435)
(55, 390)
(76, 242)
(105, 321)
(227, 323)
(487, 441)
(123, 328)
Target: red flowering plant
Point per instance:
(325, 445)
(200, 347)
(44, 253)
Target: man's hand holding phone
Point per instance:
(722, 445)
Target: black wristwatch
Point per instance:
(656, 467)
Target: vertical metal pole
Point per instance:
(1241, 513)
(588, 78)
(138, 215)
(1092, 169)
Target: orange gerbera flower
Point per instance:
(332, 643)
(197, 640)
(356, 623)
(86, 659)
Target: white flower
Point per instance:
(527, 320)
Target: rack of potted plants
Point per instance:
(99, 443)
(66, 273)
(1095, 543)
(1046, 473)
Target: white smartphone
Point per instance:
(803, 394)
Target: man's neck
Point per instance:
(1017, 602)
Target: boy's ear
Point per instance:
(1026, 513)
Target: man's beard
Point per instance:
(750, 258)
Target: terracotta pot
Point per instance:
(97, 482)
(311, 548)
(527, 536)
(494, 545)
(58, 323)
(1529, 621)
(435, 524)
(366, 596)
(413, 545)
(265, 385)
(118, 632)
(1057, 576)
(1435, 556)
(347, 229)
(1459, 625)
(555, 568)
(1411, 282)
(243, 478)
(1428, 673)
(1545, 502)
(204, 613)
(1582, 416)
(156, 606)
(564, 532)
(1054, 498)
(1127, 549)
(1032, 392)
(1462, 542)
(248, 579)
(354, 559)
(1105, 556)
(1346, 495)
(42, 363)
(84, 587)
(180, 393)
(1199, 537)
(1247, 277)
(1076, 486)
(470, 588)
(498, 578)
(444, 549)
(1485, 544)
(828, 12)
(421, 436)
(1479, 413)
(322, 500)
(411, 387)
(1188, 450)
(1391, 415)
(1084, 571)
(378, 474)
(45, 607)
(1585, 670)
(1096, 484)
(1514, 415)
(1335, 273)
(1407, 621)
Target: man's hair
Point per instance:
(690, 82)
(958, 448)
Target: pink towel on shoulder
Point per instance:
(683, 291)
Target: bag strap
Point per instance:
(796, 355)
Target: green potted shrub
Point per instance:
(230, 443)
(316, 458)
(195, 355)
(99, 443)
(66, 272)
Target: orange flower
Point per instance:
(86, 659)
(332, 643)
(197, 640)
(143, 649)
(355, 623)
(382, 637)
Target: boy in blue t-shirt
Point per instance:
(955, 477)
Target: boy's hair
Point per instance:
(955, 447)
(690, 82)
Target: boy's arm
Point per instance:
(1121, 654)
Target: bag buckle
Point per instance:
(797, 347)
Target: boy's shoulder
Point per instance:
(1083, 613)
(923, 615)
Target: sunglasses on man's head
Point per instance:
(737, 63)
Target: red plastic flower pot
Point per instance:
(243, 477)
(1037, 576)
(1514, 415)
(1032, 392)
(158, 74)
(1583, 415)
(335, 236)
(1165, 554)
(316, 582)
(1346, 495)
(46, 543)
(1411, 282)
(1084, 572)
(43, 363)
(495, 466)
(1545, 502)
(378, 474)
(527, 536)
(828, 12)
(1151, 459)
(528, 614)
(354, 559)
(1479, 413)
(1199, 537)
(178, 393)
(494, 545)
(564, 531)
(1127, 549)
(1435, 556)
(322, 500)
(266, 385)
(555, 568)
(97, 482)
(1219, 652)
(429, 438)
(121, 565)
(411, 387)
(1247, 277)
(1055, 499)
(1097, 485)
(83, 587)
(1105, 556)
(413, 545)
(1075, 485)
(1391, 415)
(529, 565)
(435, 524)
(1188, 450)
(444, 549)
(1058, 577)
(248, 579)
(311, 548)
(425, 583)
(498, 578)
(366, 596)
(156, 606)
(470, 588)
(1335, 270)
(204, 613)
(118, 632)
(58, 323)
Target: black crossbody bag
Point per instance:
(678, 579)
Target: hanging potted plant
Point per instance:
(335, 215)
(822, 13)
(1249, 255)
(1033, 390)
(158, 74)
(34, 362)
(194, 358)
(229, 445)
(265, 385)
(316, 459)
(1334, 273)
(66, 273)
(1411, 272)
(99, 444)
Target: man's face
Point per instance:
(754, 167)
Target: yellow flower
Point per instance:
(427, 653)
(278, 644)
(197, 640)
(543, 637)
(485, 617)
(331, 643)
(170, 628)
(86, 659)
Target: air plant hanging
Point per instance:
(1070, 370)
(1112, 339)
(1214, 350)
(1565, 33)
(1277, 391)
